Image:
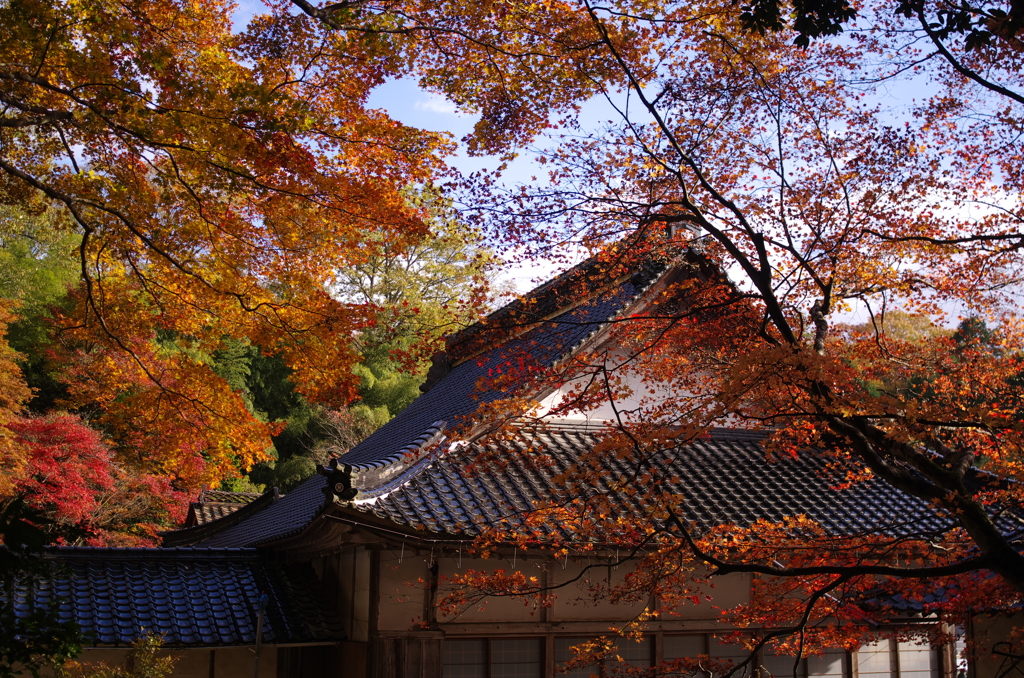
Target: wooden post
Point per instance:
(261, 607)
(374, 666)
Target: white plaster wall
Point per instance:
(493, 609)
(361, 570)
(403, 577)
(403, 593)
(575, 600)
(346, 578)
(985, 632)
(237, 662)
(725, 592)
(109, 657)
(639, 394)
(196, 664)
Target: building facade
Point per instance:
(388, 529)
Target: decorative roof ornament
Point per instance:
(339, 481)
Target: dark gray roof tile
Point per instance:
(726, 478)
(191, 597)
(284, 517)
(457, 395)
(214, 504)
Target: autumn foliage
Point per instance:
(85, 496)
(219, 179)
(13, 395)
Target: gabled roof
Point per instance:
(596, 276)
(456, 396)
(286, 517)
(410, 479)
(546, 326)
(191, 597)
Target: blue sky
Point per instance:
(406, 102)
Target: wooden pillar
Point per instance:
(412, 656)
(375, 662)
(430, 597)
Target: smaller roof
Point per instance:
(214, 504)
(196, 531)
(192, 597)
(280, 519)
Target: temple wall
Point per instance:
(403, 579)
(231, 662)
(406, 602)
(997, 646)
(492, 609)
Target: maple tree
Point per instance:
(413, 295)
(216, 182)
(77, 493)
(37, 267)
(69, 467)
(979, 24)
(817, 200)
(219, 181)
(432, 287)
(13, 394)
(420, 293)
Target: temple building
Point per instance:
(352, 564)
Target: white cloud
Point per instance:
(435, 103)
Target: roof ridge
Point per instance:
(550, 300)
(418, 447)
(190, 553)
(452, 340)
(206, 493)
(643, 280)
(374, 480)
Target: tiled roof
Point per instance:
(451, 401)
(225, 497)
(195, 531)
(285, 517)
(214, 504)
(192, 597)
(457, 396)
(206, 512)
(726, 478)
(595, 276)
